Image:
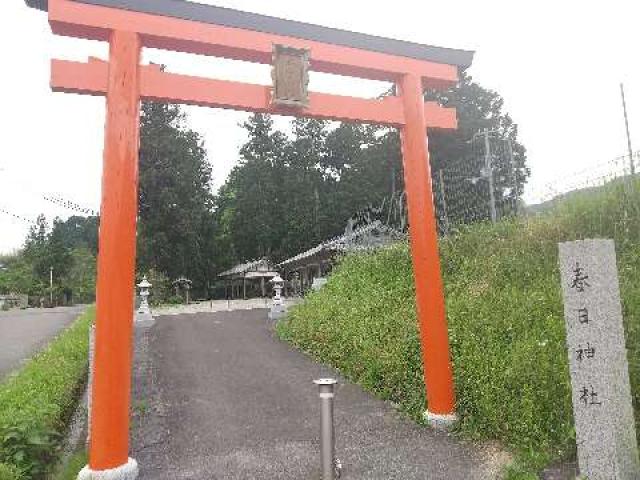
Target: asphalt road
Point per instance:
(216, 396)
(24, 332)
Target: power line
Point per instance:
(68, 204)
(17, 217)
(57, 199)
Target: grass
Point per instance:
(73, 466)
(505, 317)
(9, 472)
(36, 401)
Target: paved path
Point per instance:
(24, 332)
(218, 306)
(218, 397)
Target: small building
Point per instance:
(302, 270)
(251, 276)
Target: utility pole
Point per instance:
(489, 173)
(51, 286)
(626, 123)
(514, 177)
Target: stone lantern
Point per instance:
(278, 285)
(278, 308)
(144, 313)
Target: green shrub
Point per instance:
(161, 289)
(32, 448)
(174, 300)
(72, 468)
(506, 323)
(9, 472)
(36, 401)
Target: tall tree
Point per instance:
(255, 191)
(58, 249)
(17, 275)
(306, 215)
(67, 251)
(290, 192)
(175, 207)
(36, 249)
(79, 232)
(367, 159)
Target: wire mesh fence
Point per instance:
(595, 176)
(483, 186)
(487, 187)
(474, 191)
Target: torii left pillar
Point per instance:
(111, 392)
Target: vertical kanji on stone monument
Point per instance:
(602, 405)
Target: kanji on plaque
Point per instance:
(290, 76)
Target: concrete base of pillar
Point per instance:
(439, 421)
(128, 471)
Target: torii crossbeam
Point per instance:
(179, 25)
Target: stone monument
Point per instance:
(602, 403)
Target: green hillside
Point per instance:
(505, 320)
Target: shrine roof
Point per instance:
(254, 268)
(227, 17)
(348, 242)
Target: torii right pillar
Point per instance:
(432, 319)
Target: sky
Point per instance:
(557, 64)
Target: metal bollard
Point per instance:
(331, 467)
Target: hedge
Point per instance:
(36, 401)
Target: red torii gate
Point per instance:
(179, 25)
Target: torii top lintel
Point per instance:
(229, 18)
(184, 26)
